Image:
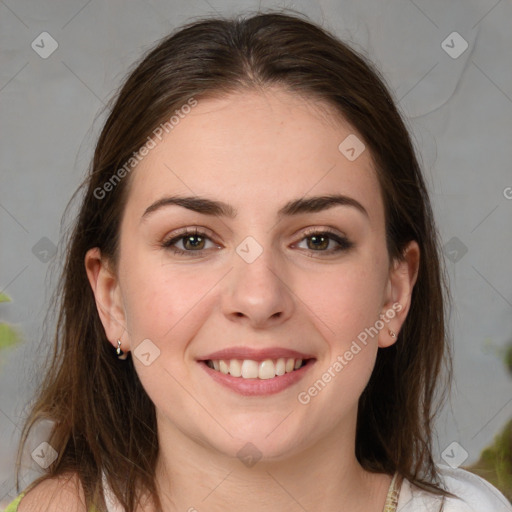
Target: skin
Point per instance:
(255, 151)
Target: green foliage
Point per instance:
(495, 464)
(4, 297)
(9, 335)
(508, 359)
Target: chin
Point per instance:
(260, 441)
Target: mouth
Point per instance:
(252, 369)
(252, 373)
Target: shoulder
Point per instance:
(63, 493)
(474, 495)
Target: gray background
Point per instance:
(458, 109)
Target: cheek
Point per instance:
(347, 300)
(158, 299)
(349, 308)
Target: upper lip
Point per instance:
(254, 354)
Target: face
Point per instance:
(270, 281)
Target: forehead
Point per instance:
(256, 148)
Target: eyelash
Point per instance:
(344, 244)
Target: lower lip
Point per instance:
(258, 387)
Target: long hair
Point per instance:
(104, 422)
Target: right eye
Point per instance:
(192, 240)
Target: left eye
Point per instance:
(319, 241)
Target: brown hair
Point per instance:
(104, 420)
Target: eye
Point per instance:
(325, 241)
(192, 240)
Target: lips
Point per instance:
(255, 354)
(250, 371)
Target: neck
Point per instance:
(195, 478)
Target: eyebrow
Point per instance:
(219, 209)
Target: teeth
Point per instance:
(280, 366)
(235, 368)
(267, 369)
(249, 369)
(224, 368)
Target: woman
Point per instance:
(252, 311)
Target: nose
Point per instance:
(258, 293)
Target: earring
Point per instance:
(119, 352)
(392, 333)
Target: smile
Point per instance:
(251, 369)
(257, 378)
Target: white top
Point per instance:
(476, 495)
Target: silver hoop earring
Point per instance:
(392, 333)
(120, 354)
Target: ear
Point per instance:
(107, 293)
(397, 302)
